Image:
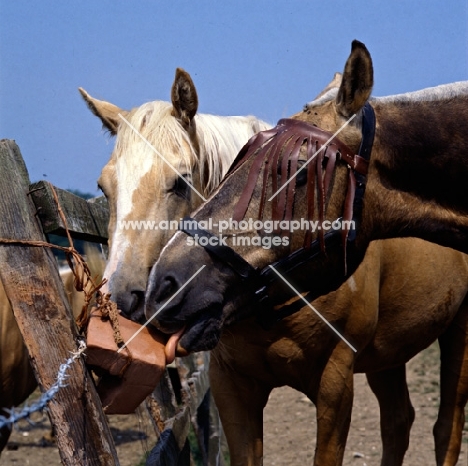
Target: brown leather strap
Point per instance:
(293, 162)
(254, 143)
(356, 162)
(264, 188)
(311, 150)
(244, 201)
(261, 143)
(281, 151)
(348, 213)
(329, 170)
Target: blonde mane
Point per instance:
(219, 138)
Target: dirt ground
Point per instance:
(289, 428)
(290, 422)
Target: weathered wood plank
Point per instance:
(173, 448)
(33, 286)
(86, 220)
(162, 402)
(193, 372)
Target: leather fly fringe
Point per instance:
(276, 152)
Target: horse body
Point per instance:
(17, 380)
(415, 188)
(167, 157)
(382, 310)
(428, 165)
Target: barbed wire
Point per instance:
(16, 415)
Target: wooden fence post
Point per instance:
(33, 286)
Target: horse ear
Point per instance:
(357, 82)
(107, 112)
(184, 97)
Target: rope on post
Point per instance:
(82, 278)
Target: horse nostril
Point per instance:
(168, 288)
(138, 299)
(132, 306)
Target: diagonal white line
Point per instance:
(162, 307)
(160, 155)
(313, 308)
(312, 158)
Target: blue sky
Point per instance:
(265, 58)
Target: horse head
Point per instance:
(167, 157)
(274, 179)
(194, 291)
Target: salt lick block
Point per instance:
(122, 389)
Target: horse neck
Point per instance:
(220, 139)
(419, 167)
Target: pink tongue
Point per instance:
(171, 346)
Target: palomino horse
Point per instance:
(382, 310)
(167, 158)
(17, 379)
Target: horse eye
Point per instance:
(181, 187)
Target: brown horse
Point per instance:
(389, 310)
(383, 321)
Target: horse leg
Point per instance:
(396, 412)
(453, 389)
(240, 401)
(334, 405)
